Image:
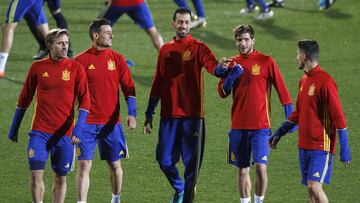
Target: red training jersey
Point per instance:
(57, 84)
(318, 111)
(178, 80)
(126, 3)
(252, 91)
(106, 71)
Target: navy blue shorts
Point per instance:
(60, 148)
(243, 143)
(183, 137)
(315, 165)
(19, 8)
(110, 139)
(140, 14)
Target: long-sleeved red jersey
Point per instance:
(126, 3)
(318, 111)
(178, 80)
(57, 84)
(106, 71)
(252, 91)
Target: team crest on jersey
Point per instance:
(255, 69)
(65, 75)
(78, 151)
(311, 90)
(91, 67)
(232, 156)
(186, 55)
(31, 153)
(45, 75)
(111, 65)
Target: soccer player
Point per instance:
(57, 82)
(265, 12)
(199, 18)
(178, 83)
(139, 12)
(319, 116)
(106, 71)
(16, 11)
(55, 9)
(250, 78)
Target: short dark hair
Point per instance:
(182, 10)
(310, 48)
(244, 28)
(54, 34)
(96, 24)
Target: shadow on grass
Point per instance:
(303, 10)
(276, 31)
(209, 37)
(13, 80)
(337, 14)
(330, 13)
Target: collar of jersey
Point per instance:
(183, 40)
(313, 71)
(62, 61)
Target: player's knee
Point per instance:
(164, 165)
(115, 167)
(260, 169)
(7, 27)
(117, 171)
(153, 32)
(36, 177)
(314, 188)
(60, 179)
(244, 171)
(84, 166)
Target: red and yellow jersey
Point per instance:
(57, 84)
(318, 111)
(252, 91)
(178, 80)
(126, 3)
(106, 72)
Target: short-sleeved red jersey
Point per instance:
(106, 71)
(252, 91)
(178, 80)
(318, 111)
(57, 84)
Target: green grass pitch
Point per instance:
(336, 30)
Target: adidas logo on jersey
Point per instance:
(122, 152)
(91, 67)
(264, 158)
(317, 174)
(45, 75)
(67, 165)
